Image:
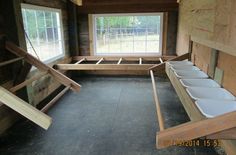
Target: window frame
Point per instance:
(93, 37)
(49, 9)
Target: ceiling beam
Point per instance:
(77, 2)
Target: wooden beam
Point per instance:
(55, 99)
(119, 61)
(140, 61)
(10, 61)
(123, 67)
(80, 61)
(29, 81)
(229, 134)
(193, 130)
(24, 109)
(41, 66)
(77, 2)
(158, 107)
(100, 61)
(178, 58)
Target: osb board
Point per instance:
(227, 63)
(201, 56)
(213, 20)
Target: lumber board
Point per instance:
(24, 109)
(100, 61)
(123, 67)
(119, 61)
(80, 61)
(41, 66)
(158, 107)
(10, 61)
(193, 130)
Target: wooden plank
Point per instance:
(213, 63)
(55, 99)
(123, 67)
(140, 61)
(216, 45)
(193, 130)
(100, 61)
(29, 81)
(80, 61)
(119, 61)
(41, 66)
(10, 61)
(24, 109)
(229, 134)
(178, 58)
(158, 107)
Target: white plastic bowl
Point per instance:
(191, 74)
(182, 63)
(199, 83)
(184, 68)
(213, 108)
(198, 93)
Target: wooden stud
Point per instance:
(119, 61)
(29, 81)
(161, 60)
(140, 61)
(41, 66)
(10, 61)
(158, 107)
(219, 74)
(100, 61)
(80, 61)
(24, 108)
(55, 99)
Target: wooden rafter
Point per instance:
(41, 66)
(77, 2)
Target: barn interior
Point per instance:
(109, 77)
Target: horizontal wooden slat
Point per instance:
(41, 66)
(24, 108)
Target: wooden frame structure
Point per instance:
(137, 63)
(221, 127)
(9, 99)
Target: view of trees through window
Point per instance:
(43, 28)
(126, 34)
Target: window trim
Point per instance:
(42, 8)
(92, 31)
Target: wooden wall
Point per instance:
(10, 19)
(84, 42)
(213, 23)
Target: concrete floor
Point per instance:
(110, 116)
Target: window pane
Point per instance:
(127, 34)
(44, 29)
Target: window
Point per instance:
(127, 34)
(43, 27)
